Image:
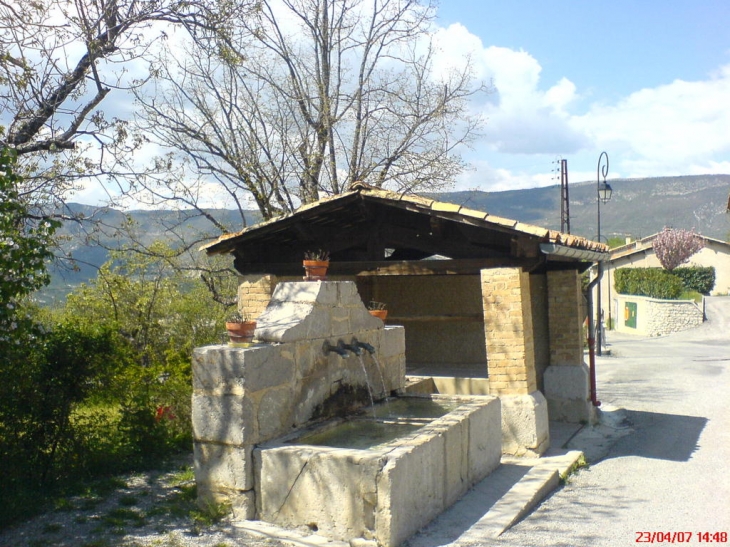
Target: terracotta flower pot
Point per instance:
(380, 314)
(315, 270)
(241, 333)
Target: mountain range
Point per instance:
(638, 208)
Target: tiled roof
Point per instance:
(420, 204)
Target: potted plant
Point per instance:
(315, 265)
(377, 309)
(240, 330)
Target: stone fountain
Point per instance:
(285, 431)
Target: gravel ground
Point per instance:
(143, 509)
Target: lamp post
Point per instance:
(603, 195)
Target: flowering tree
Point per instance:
(674, 247)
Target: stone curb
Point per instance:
(530, 490)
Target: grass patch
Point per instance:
(579, 464)
(184, 475)
(122, 516)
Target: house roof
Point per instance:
(367, 224)
(646, 244)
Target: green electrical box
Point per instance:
(630, 314)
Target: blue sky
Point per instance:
(647, 81)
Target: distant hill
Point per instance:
(638, 208)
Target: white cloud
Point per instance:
(668, 129)
(678, 128)
(522, 117)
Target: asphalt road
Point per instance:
(670, 475)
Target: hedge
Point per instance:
(697, 278)
(651, 282)
(659, 283)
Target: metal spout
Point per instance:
(364, 345)
(354, 348)
(339, 349)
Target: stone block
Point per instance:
(224, 369)
(361, 320)
(286, 322)
(274, 413)
(525, 429)
(305, 292)
(301, 485)
(348, 294)
(308, 358)
(485, 447)
(414, 487)
(567, 382)
(456, 461)
(339, 321)
(220, 467)
(313, 310)
(567, 390)
(392, 342)
(311, 393)
(224, 419)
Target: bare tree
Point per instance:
(59, 60)
(302, 101)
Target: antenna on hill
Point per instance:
(564, 201)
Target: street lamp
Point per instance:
(603, 193)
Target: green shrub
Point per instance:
(697, 278)
(651, 282)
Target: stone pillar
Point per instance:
(511, 361)
(567, 378)
(254, 293)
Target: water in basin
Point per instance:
(382, 423)
(413, 407)
(358, 434)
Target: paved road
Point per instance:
(672, 472)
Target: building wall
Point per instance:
(442, 315)
(541, 336)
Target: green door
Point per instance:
(630, 315)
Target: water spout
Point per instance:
(364, 345)
(339, 349)
(353, 347)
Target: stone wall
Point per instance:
(656, 317)
(254, 293)
(442, 315)
(246, 396)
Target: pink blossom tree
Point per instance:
(674, 247)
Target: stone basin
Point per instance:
(382, 475)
